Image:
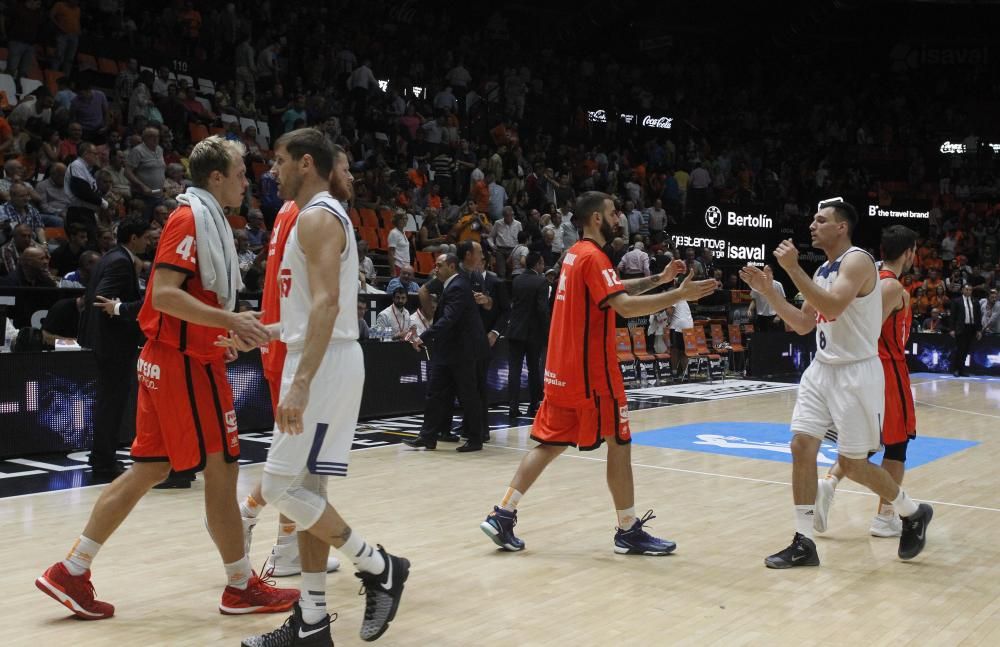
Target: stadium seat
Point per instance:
(205, 86)
(51, 78)
(705, 351)
(352, 213)
(424, 263)
(7, 87)
(197, 132)
(236, 221)
(205, 103)
(55, 233)
(370, 236)
(653, 366)
(187, 79)
(368, 218)
(736, 343)
(86, 62)
(626, 358)
(385, 216)
(29, 85)
(107, 66)
(263, 135)
(694, 357)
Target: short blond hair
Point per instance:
(213, 154)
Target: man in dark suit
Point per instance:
(108, 327)
(966, 324)
(457, 350)
(489, 293)
(527, 331)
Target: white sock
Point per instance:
(238, 573)
(250, 508)
(312, 597)
(510, 500)
(363, 555)
(804, 520)
(903, 504)
(80, 556)
(833, 480)
(286, 532)
(626, 518)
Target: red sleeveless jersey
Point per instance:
(273, 355)
(895, 329)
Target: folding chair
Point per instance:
(626, 358)
(736, 346)
(695, 359)
(197, 132)
(719, 343)
(424, 263)
(653, 366)
(704, 351)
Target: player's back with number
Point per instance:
(178, 251)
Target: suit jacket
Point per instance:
(528, 318)
(491, 285)
(958, 316)
(456, 334)
(113, 278)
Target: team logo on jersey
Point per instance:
(713, 217)
(285, 281)
(232, 430)
(149, 374)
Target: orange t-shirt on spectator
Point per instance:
(66, 17)
(932, 284)
(418, 178)
(933, 264)
(434, 201)
(466, 231)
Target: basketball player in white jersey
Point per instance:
(843, 389)
(321, 386)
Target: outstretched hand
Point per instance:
(672, 271)
(695, 290)
(759, 280)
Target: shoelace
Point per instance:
(266, 576)
(280, 636)
(369, 601)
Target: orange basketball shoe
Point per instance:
(75, 592)
(260, 596)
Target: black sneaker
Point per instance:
(295, 633)
(382, 593)
(801, 552)
(914, 536)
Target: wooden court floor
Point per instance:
(568, 588)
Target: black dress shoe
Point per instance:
(175, 482)
(513, 413)
(108, 471)
(469, 446)
(957, 374)
(420, 441)
(449, 438)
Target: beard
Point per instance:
(607, 231)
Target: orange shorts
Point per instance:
(185, 410)
(900, 422)
(584, 427)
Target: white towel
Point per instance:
(218, 263)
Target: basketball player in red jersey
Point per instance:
(900, 425)
(185, 417)
(584, 402)
(284, 559)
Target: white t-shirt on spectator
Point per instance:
(397, 240)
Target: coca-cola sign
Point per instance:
(650, 121)
(597, 116)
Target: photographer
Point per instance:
(471, 226)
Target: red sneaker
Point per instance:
(259, 597)
(75, 592)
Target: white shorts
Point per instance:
(330, 418)
(847, 399)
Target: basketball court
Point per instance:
(711, 460)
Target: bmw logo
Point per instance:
(713, 217)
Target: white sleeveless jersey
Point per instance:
(293, 279)
(853, 336)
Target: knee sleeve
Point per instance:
(897, 451)
(293, 499)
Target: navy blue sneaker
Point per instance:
(499, 526)
(636, 541)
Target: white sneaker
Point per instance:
(285, 560)
(886, 526)
(824, 501)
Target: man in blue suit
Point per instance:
(458, 349)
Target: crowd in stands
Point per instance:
(470, 139)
